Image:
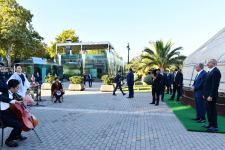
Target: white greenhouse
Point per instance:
(214, 48)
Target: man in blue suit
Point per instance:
(198, 89)
(130, 83)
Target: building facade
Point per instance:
(96, 58)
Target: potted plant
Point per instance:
(48, 82)
(108, 83)
(76, 83)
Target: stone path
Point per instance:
(91, 120)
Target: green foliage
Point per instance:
(76, 80)
(148, 79)
(161, 54)
(16, 31)
(107, 79)
(49, 78)
(138, 83)
(61, 38)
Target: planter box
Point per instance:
(46, 86)
(76, 87)
(107, 88)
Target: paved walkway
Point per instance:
(91, 120)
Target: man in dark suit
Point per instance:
(169, 83)
(90, 79)
(9, 119)
(130, 83)
(163, 83)
(118, 80)
(177, 84)
(156, 88)
(3, 85)
(198, 89)
(211, 87)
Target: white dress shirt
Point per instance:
(4, 105)
(211, 69)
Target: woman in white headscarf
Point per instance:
(24, 83)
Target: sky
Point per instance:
(187, 23)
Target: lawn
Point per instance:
(185, 114)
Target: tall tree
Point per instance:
(61, 38)
(17, 36)
(161, 54)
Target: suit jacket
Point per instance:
(212, 82)
(178, 79)
(170, 78)
(3, 85)
(157, 82)
(198, 84)
(118, 79)
(130, 78)
(4, 97)
(164, 80)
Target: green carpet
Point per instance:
(185, 114)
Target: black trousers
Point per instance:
(118, 86)
(169, 89)
(58, 96)
(90, 83)
(212, 113)
(131, 90)
(155, 95)
(176, 89)
(162, 91)
(9, 120)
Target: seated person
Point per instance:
(9, 118)
(57, 90)
(28, 100)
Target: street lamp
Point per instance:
(128, 49)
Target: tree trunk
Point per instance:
(8, 56)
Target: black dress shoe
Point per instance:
(124, 94)
(212, 129)
(206, 126)
(129, 97)
(21, 138)
(11, 143)
(156, 104)
(151, 103)
(114, 94)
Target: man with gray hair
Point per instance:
(198, 90)
(211, 87)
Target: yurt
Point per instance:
(214, 48)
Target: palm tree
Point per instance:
(162, 55)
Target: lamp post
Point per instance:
(128, 49)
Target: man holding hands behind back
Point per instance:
(198, 90)
(211, 87)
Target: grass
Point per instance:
(185, 114)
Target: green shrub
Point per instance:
(138, 83)
(107, 79)
(76, 80)
(148, 79)
(49, 78)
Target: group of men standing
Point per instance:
(206, 85)
(161, 80)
